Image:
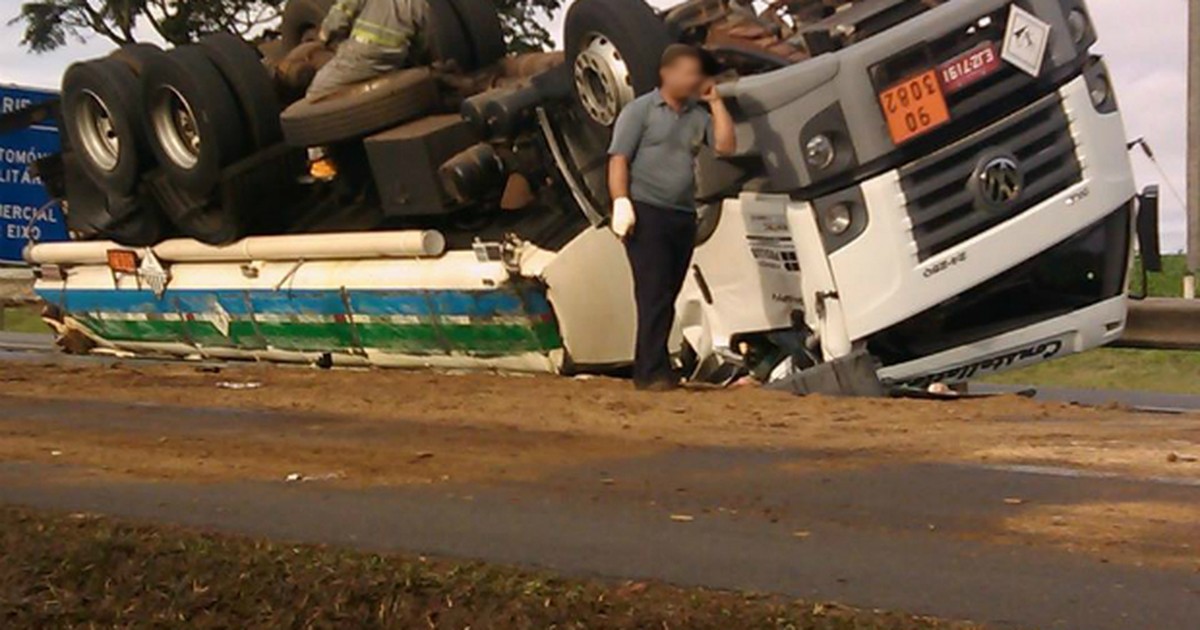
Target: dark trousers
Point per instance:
(659, 250)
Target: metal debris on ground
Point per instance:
(298, 477)
(240, 386)
(682, 518)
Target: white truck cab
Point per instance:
(995, 235)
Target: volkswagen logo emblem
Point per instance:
(998, 181)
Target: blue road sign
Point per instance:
(22, 196)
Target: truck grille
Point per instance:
(942, 208)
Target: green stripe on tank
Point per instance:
(480, 338)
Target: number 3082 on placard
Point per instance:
(914, 106)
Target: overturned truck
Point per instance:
(924, 190)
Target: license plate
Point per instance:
(969, 68)
(914, 106)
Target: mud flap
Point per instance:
(853, 375)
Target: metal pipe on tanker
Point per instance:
(344, 246)
(80, 253)
(409, 244)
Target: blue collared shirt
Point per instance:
(661, 145)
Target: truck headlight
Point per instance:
(819, 152)
(841, 217)
(1099, 85)
(1077, 25)
(836, 219)
(824, 148)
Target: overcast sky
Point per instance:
(1144, 41)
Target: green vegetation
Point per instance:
(1162, 371)
(1168, 283)
(87, 572)
(22, 319)
(52, 24)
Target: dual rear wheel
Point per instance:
(177, 119)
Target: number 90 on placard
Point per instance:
(914, 106)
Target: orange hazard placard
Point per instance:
(914, 106)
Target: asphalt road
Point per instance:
(905, 536)
(26, 342)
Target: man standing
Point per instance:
(380, 36)
(651, 176)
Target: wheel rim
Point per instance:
(602, 79)
(175, 127)
(97, 132)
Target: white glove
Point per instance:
(623, 218)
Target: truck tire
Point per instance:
(86, 206)
(614, 48)
(135, 55)
(246, 75)
(481, 22)
(102, 114)
(195, 125)
(301, 21)
(202, 217)
(358, 110)
(448, 39)
(213, 224)
(142, 225)
(131, 219)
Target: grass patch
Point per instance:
(22, 319)
(1164, 371)
(76, 571)
(1167, 283)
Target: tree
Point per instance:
(524, 22)
(51, 24)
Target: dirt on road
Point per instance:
(484, 408)
(366, 428)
